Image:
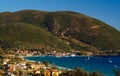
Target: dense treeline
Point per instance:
(117, 72)
(80, 72)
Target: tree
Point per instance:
(45, 63)
(96, 74)
(79, 72)
(2, 72)
(117, 72)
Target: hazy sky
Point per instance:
(106, 10)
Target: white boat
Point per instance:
(88, 58)
(58, 56)
(73, 55)
(116, 66)
(110, 61)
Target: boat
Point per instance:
(88, 58)
(116, 66)
(73, 55)
(110, 61)
(58, 56)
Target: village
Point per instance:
(12, 63)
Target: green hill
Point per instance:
(27, 36)
(62, 30)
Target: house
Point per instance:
(12, 68)
(5, 61)
(9, 74)
(20, 67)
(47, 73)
(37, 66)
(10, 55)
(37, 72)
(23, 63)
(55, 72)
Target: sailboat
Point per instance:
(88, 58)
(116, 66)
(110, 61)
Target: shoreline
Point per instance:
(74, 56)
(58, 67)
(107, 61)
(25, 58)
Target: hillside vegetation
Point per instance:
(62, 31)
(27, 36)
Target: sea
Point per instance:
(102, 64)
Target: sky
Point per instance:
(107, 11)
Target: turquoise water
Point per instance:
(104, 64)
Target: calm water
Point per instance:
(104, 65)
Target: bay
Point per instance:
(102, 64)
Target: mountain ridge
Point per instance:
(74, 31)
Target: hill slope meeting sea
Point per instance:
(60, 31)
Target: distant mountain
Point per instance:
(61, 31)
